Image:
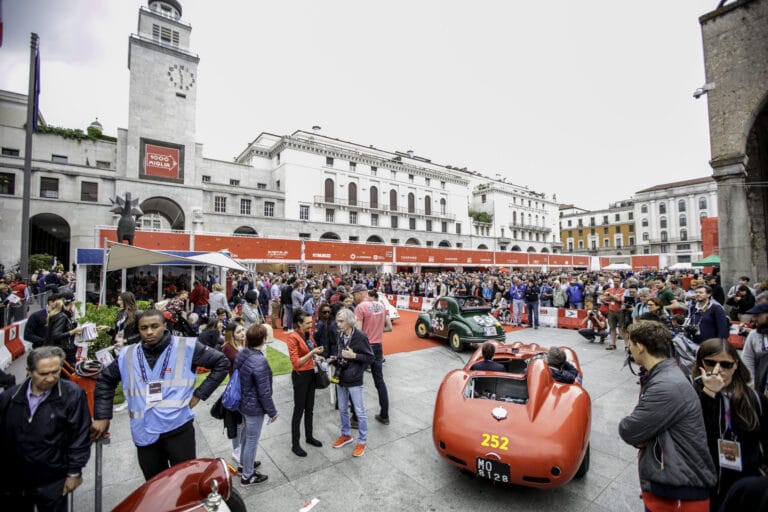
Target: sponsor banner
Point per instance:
(581, 261)
(355, 253)
(548, 317)
(403, 302)
(426, 304)
(571, 313)
(435, 256)
(150, 240)
(604, 262)
(538, 259)
(414, 303)
(512, 258)
(246, 248)
(560, 260)
(162, 161)
(645, 262)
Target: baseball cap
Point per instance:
(67, 298)
(359, 288)
(758, 308)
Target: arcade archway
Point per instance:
(168, 211)
(50, 234)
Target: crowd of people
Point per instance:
(712, 420)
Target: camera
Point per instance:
(691, 330)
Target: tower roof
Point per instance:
(172, 3)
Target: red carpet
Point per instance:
(403, 336)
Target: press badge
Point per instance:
(154, 391)
(730, 454)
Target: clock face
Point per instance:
(181, 77)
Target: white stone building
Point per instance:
(668, 218)
(300, 185)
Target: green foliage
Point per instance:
(40, 261)
(478, 216)
(99, 315)
(278, 362)
(92, 133)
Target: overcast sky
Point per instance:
(589, 100)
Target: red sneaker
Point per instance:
(359, 450)
(342, 441)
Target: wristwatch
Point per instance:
(79, 474)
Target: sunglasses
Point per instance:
(725, 365)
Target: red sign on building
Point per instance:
(162, 161)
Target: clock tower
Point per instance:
(163, 92)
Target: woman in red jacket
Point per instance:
(303, 353)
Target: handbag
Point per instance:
(322, 380)
(217, 409)
(230, 399)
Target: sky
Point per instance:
(590, 100)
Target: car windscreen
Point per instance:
(503, 389)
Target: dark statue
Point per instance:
(127, 208)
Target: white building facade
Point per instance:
(668, 218)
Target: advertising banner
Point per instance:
(268, 250)
(361, 254)
(162, 161)
(514, 259)
(150, 240)
(645, 262)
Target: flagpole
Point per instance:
(31, 114)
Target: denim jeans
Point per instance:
(287, 317)
(362, 420)
(250, 442)
(518, 306)
(377, 370)
(533, 313)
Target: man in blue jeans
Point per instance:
(371, 316)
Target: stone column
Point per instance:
(734, 224)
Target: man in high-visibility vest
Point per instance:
(158, 377)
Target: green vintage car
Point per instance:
(463, 320)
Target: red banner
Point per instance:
(560, 260)
(710, 236)
(161, 161)
(604, 262)
(645, 262)
(315, 252)
(150, 240)
(535, 258)
(409, 255)
(512, 258)
(268, 249)
(581, 261)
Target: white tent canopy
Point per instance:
(126, 256)
(681, 265)
(618, 266)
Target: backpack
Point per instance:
(684, 352)
(285, 295)
(230, 399)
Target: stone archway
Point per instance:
(412, 241)
(531, 249)
(167, 209)
(482, 247)
(516, 248)
(544, 250)
(374, 239)
(444, 243)
(757, 196)
(329, 235)
(245, 230)
(50, 234)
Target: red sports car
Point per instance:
(514, 426)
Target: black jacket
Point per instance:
(57, 333)
(36, 330)
(351, 371)
(45, 448)
(204, 357)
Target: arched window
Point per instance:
(663, 236)
(427, 205)
(644, 223)
(662, 208)
(645, 236)
(514, 217)
(393, 200)
(683, 221)
(442, 206)
(329, 190)
(683, 235)
(663, 223)
(702, 203)
(374, 197)
(411, 202)
(644, 208)
(529, 219)
(681, 205)
(352, 194)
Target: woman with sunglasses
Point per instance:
(735, 417)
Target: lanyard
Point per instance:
(140, 355)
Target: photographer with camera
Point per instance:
(353, 355)
(594, 324)
(706, 319)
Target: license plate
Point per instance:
(493, 470)
(490, 330)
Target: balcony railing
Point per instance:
(531, 227)
(383, 207)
